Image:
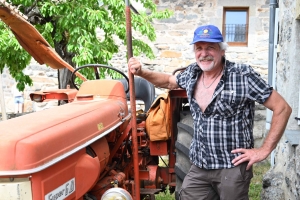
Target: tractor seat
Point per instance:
(144, 91)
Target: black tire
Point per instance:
(182, 145)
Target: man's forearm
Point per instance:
(158, 79)
(278, 125)
(281, 113)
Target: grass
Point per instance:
(255, 186)
(166, 195)
(256, 183)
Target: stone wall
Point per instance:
(43, 78)
(283, 180)
(172, 48)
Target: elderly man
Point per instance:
(222, 96)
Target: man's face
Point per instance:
(208, 55)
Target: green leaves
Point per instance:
(13, 56)
(70, 26)
(142, 47)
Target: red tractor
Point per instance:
(93, 147)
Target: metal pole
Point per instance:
(3, 111)
(273, 6)
(136, 193)
(271, 60)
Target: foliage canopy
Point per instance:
(71, 27)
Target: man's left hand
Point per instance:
(249, 155)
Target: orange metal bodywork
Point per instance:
(25, 145)
(59, 94)
(49, 146)
(80, 166)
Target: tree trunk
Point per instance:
(64, 75)
(64, 78)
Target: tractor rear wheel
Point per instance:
(184, 137)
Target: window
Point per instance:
(235, 26)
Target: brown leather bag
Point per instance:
(158, 121)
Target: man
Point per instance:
(222, 97)
(18, 99)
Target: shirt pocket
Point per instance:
(230, 103)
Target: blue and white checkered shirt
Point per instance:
(227, 122)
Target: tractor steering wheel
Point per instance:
(97, 76)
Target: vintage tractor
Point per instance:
(92, 147)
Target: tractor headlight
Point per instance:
(37, 97)
(116, 194)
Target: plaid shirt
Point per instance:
(227, 122)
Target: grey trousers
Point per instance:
(216, 184)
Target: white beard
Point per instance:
(209, 68)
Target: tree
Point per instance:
(70, 28)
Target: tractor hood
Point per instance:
(35, 141)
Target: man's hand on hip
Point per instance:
(249, 155)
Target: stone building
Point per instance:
(282, 182)
(43, 78)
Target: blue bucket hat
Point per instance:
(207, 33)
